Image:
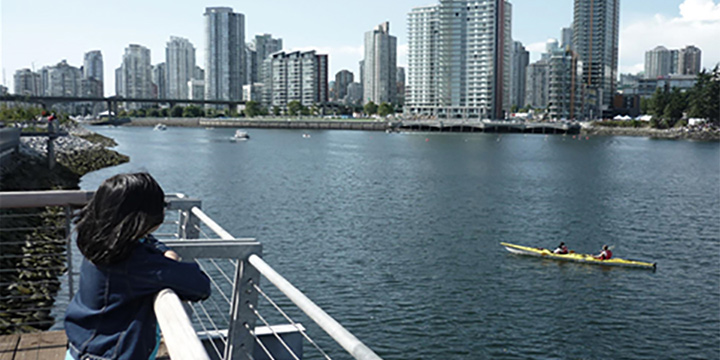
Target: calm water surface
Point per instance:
(397, 235)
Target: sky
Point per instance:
(37, 33)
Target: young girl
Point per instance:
(111, 316)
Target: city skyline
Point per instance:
(671, 23)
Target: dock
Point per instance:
(48, 345)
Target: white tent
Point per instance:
(618, 117)
(644, 118)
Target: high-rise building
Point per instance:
(262, 46)
(596, 28)
(658, 63)
(134, 77)
(63, 80)
(520, 61)
(354, 93)
(565, 86)
(400, 84)
(196, 89)
(689, 61)
(159, 80)
(297, 76)
(93, 79)
(224, 53)
(566, 39)
(537, 84)
(342, 79)
(27, 82)
(380, 65)
(459, 59)
(179, 66)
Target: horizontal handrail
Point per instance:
(33, 199)
(180, 338)
(347, 340)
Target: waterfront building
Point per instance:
(459, 59)
(518, 73)
(658, 62)
(198, 73)
(537, 84)
(297, 76)
(262, 46)
(354, 94)
(675, 61)
(179, 66)
(93, 74)
(4, 90)
(400, 80)
(596, 28)
(646, 87)
(342, 79)
(159, 80)
(224, 53)
(251, 65)
(134, 77)
(62, 80)
(253, 92)
(380, 65)
(196, 89)
(689, 61)
(565, 93)
(27, 82)
(566, 38)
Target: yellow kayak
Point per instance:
(582, 258)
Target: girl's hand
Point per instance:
(172, 255)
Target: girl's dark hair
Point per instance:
(124, 209)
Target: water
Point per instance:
(397, 235)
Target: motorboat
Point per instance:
(240, 135)
(160, 127)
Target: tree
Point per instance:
(252, 109)
(304, 110)
(294, 108)
(153, 113)
(192, 111)
(705, 96)
(514, 108)
(276, 111)
(370, 108)
(385, 109)
(675, 107)
(176, 111)
(164, 112)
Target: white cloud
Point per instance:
(698, 24)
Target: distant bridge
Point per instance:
(112, 101)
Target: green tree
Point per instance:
(176, 111)
(705, 96)
(385, 109)
(164, 112)
(141, 112)
(675, 107)
(304, 110)
(294, 108)
(192, 111)
(153, 113)
(514, 108)
(276, 111)
(370, 108)
(252, 109)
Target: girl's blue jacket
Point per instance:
(111, 316)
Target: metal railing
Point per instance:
(225, 324)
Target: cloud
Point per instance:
(698, 23)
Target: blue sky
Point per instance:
(43, 32)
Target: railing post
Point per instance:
(242, 318)
(68, 249)
(189, 224)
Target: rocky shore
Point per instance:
(33, 256)
(687, 133)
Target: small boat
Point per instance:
(575, 257)
(306, 136)
(160, 127)
(240, 136)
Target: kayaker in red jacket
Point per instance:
(561, 249)
(606, 254)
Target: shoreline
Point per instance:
(309, 122)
